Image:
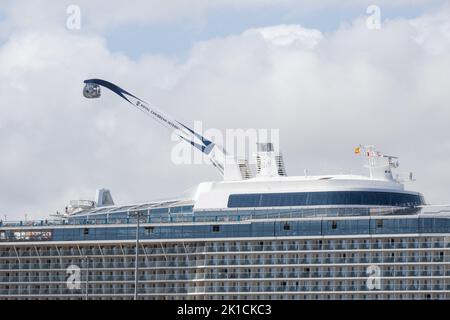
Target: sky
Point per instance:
(314, 70)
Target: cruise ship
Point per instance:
(262, 235)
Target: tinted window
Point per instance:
(325, 198)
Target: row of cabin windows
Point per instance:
(375, 198)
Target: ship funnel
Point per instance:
(269, 163)
(103, 198)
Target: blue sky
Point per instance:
(175, 37)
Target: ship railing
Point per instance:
(222, 216)
(380, 255)
(283, 283)
(162, 264)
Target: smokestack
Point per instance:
(269, 163)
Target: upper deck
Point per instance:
(232, 223)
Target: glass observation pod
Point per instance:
(91, 91)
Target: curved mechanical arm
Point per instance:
(92, 90)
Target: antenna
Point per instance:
(380, 165)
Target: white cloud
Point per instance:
(432, 31)
(326, 93)
(289, 35)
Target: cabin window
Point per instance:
(216, 228)
(149, 230)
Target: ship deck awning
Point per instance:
(135, 208)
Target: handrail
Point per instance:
(224, 216)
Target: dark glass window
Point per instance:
(149, 230)
(379, 223)
(159, 210)
(374, 198)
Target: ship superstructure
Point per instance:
(262, 235)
